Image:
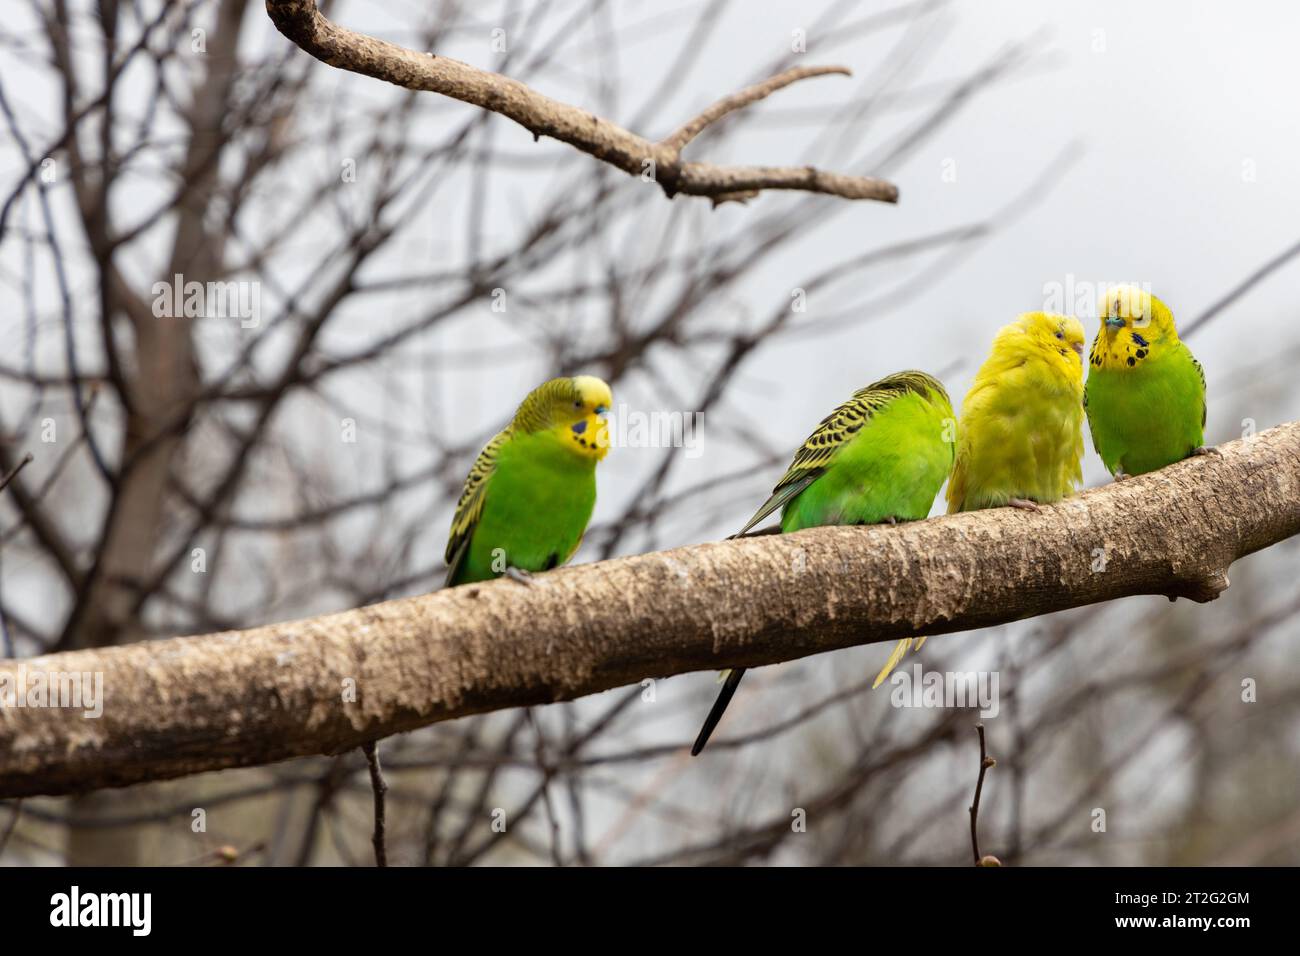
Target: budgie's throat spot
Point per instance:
(590, 437)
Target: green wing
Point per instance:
(835, 431)
(470, 506)
(781, 494)
(1201, 372)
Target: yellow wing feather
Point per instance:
(896, 655)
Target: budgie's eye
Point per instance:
(577, 403)
(1060, 335)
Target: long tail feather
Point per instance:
(900, 650)
(719, 705)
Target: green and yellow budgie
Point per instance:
(880, 457)
(1145, 396)
(530, 494)
(1021, 440)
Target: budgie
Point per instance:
(1021, 435)
(530, 494)
(1145, 396)
(880, 457)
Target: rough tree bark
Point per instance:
(243, 698)
(303, 23)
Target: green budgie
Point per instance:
(530, 494)
(880, 457)
(1145, 396)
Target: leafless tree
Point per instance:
(399, 263)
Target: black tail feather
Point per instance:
(719, 705)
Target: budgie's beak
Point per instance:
(1078, 347)
(1114, 322)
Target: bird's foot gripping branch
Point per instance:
(327, 684)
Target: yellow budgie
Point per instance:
(1020, 439)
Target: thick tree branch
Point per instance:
(324, 685)
(303, 23)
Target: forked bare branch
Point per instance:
(302, 22)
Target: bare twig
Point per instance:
(750, 94)
(380, 787)
(547, 771)
(987, 763)
(302, 22)
(26, 460)
(1242, 287)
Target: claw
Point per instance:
(1206, 450)
(1024, 504)
(519, 575)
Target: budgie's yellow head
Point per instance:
(574, 410)
(1134, 324)
(1055, 340)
